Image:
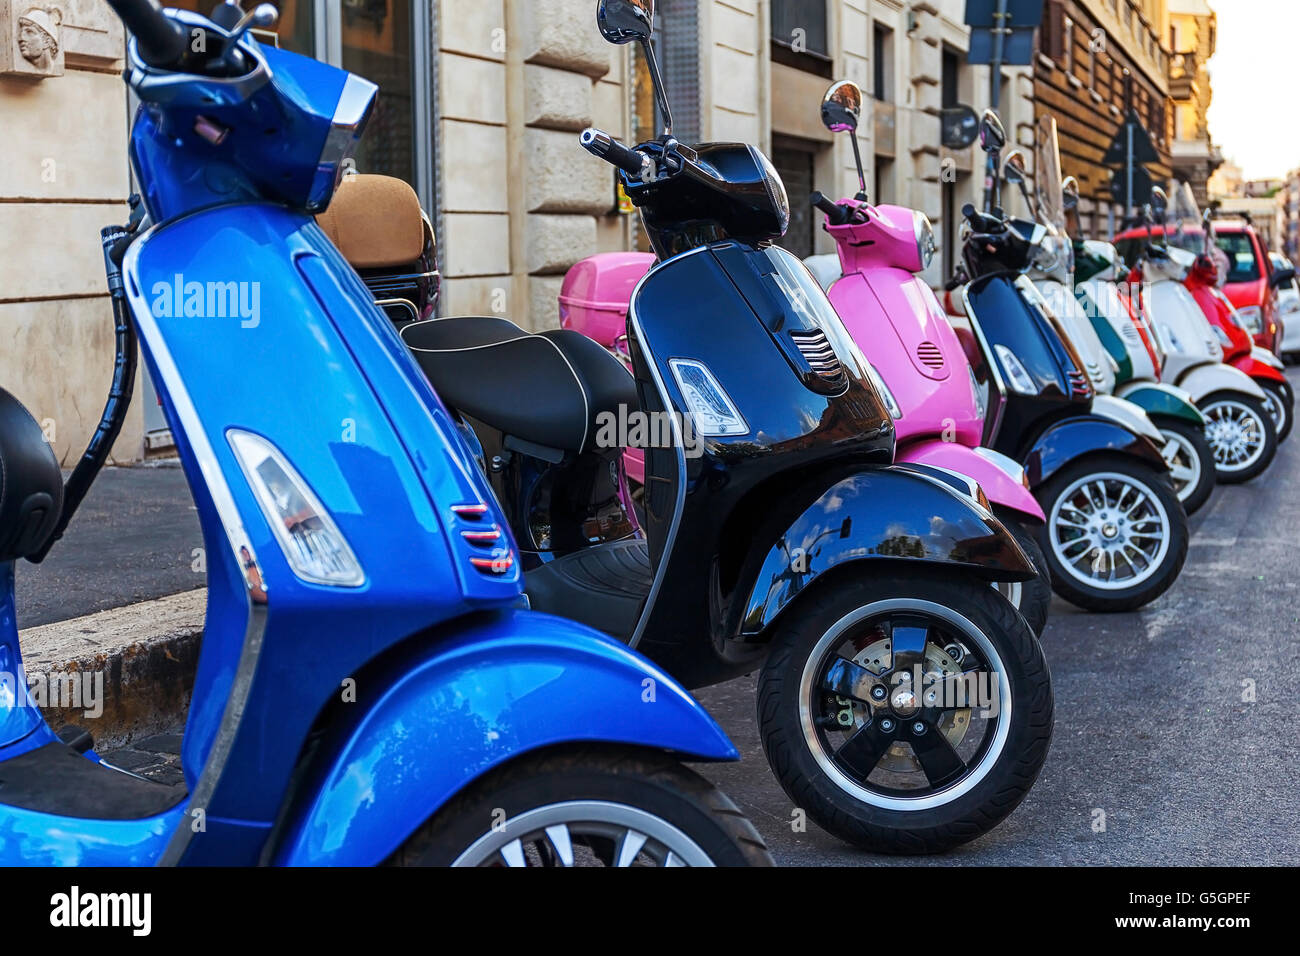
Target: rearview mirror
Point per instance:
(1159, 203)
(842, 107)
(1281, 277)
(1014, 170)
(1070, 193)
(993, 135)
(625, 21)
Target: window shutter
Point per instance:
(1052, 32)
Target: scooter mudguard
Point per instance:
(511, 683)
(1074, 438)
(32, 838)
(1207, 379)
(1128, 415)
(1160, 399)
(1002, 479)
(880, 515)
(1258, 367)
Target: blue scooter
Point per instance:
(370, 687)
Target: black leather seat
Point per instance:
(31, 486)
(546, 388)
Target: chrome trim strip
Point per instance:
(236, 535)
(678, 446)
(991, 360)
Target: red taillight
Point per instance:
(498, 564)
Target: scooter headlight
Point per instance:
(1252, 318)
(713, 414)
(1014, 369)
(927, 247)
(980, 401)
(310, 540)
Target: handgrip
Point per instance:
(837, 214)
(160, 39)
(599, 143)
(981, 221)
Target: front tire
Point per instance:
(1281, 407)
(1191, 461)
(1033, 599)
(591, 806)
(861, 761)
(1116, 535)
(1241, 433)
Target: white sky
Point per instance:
(1255, 116)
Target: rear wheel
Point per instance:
(1116, 535)
(905, 713)
(1280, 403)
(1241, 433)
(589, 807)
(1033, 599)
(1191, 461)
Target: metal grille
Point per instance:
(930, 355)
(817, 351)
(1079, 384)
(678, 48)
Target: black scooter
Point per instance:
(904, 704)
(1116, 534)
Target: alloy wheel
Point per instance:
(584, 833)
(1184, 463)
(1235, 433)
(905, 704)
(1277, 409)
(1109, 531)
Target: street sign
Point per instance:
(960, 126)
(1017, 50)
(1141, 187)
(1144, 150)
(1023, 13)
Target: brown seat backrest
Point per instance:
(375, 221)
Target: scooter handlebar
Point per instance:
(981, 221)
(837, 214)
(160, 39)
(599, 143)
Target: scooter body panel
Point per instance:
(1077, 326)
(1127, 414)
(1184, 331)
(20, 718)
(884, 513)
(1075, 438)
(1156, 398)
(1262, 365)
(505, 685)
(1203, 380)
(1002, 479)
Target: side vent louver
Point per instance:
(819, 355)
(930, 355)
(1079, 385)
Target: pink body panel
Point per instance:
(1001, 488)
(594, 300)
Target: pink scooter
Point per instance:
(897, 321)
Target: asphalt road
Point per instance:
(1151, 727)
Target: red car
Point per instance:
(1250, 282)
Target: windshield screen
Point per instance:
(1242, 264)
(1047, 175)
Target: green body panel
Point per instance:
(1109, 337)
(1160, 400)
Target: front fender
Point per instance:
(1002, 478)
(881, 514)
(1073, 438)
(1259, 368)
(1125, 413)
(510, 683)
(1159, 399)
(1207, 379)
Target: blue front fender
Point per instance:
(1075, 437)
(510, 683)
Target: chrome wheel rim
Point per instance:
(1276, 409)
(906, 750)
(584, 833)
(1109, 531)
(1184, 463)
(1013, 591)
(1236, 434)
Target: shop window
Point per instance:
(882, 55)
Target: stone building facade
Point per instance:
(1193, 32)
(481, 104)
(1097, 60)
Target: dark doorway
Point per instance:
(793, 159)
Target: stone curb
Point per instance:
(133, 667)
